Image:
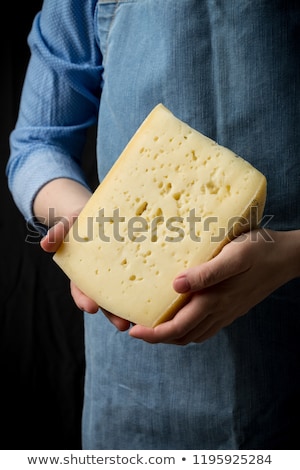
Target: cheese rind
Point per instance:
(172, 200)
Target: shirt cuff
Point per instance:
(36, 170)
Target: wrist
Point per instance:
(60, 200)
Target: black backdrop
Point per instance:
(41, 330)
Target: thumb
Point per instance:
(226, 264)
(55, 235)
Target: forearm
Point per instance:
(60, 198)
(60, 101)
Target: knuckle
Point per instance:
(205, 277)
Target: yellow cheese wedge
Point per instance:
(172, 200)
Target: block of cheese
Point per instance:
(171, 201)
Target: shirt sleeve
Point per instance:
(60, 100)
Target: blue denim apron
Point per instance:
(231, 70)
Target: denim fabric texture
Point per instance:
(231, 70)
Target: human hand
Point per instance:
(50, 243)
(88, 305)
(244, 273)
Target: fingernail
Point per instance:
(182, 285)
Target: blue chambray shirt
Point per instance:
(231, 70)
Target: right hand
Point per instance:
(50, 243)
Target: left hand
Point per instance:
(244, 273)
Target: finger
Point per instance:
(190, 316)
(82, 301)
(226, 264)
(208, 330)
(119, 323)
(54, 237)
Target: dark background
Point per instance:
(41, 330)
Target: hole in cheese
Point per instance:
(141, 209)
(193, 196)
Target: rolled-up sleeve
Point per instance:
(60, 100)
